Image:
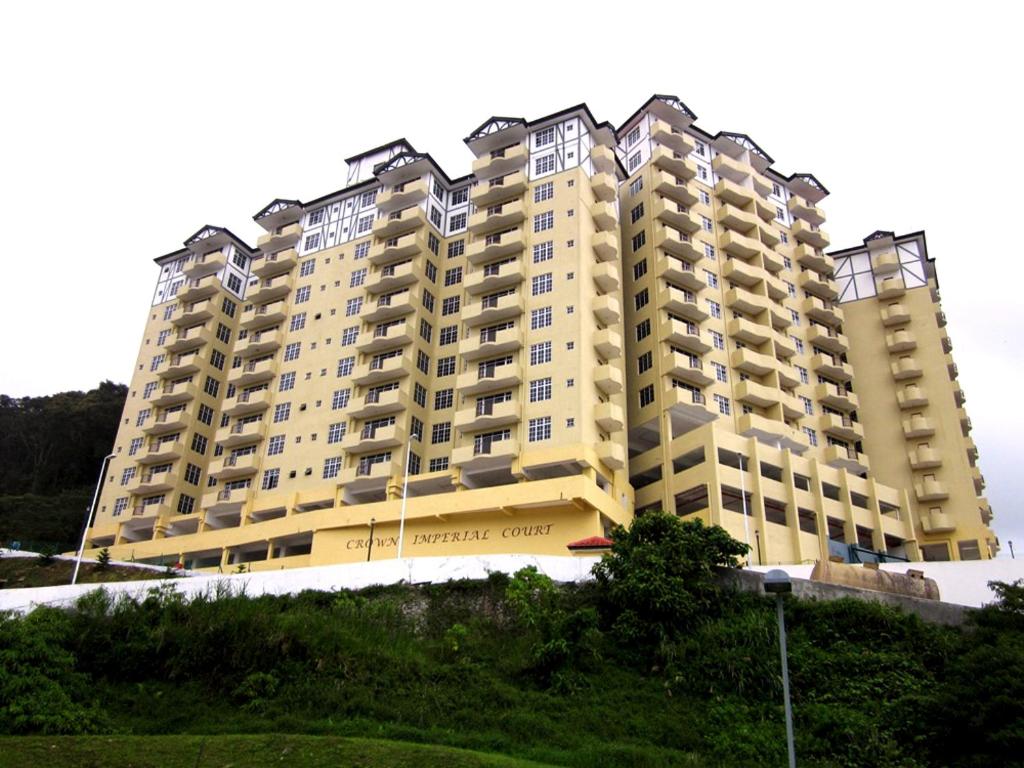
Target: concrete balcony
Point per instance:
(245, 403)
(393, 277)
(776, 288)
(167, 422)
(762, 185)
(399, 248)
(188, 339)
(496, 246)
(729, 168)
(731, 217)
(807, 211)
(608, 379)
(905, 368)
(225, 499)
(500, 162)
(605, 216)
(603, 159)
(673, 187)
(675, 215)
(937, 522)
(836, 397)
(765, 209)
(827, 312)
(281, 238)
(965, 421)
(924, 458)
(735, 194)
(371, 439)
(485, 454)
(931, 490)
(241, 433)
(890, 288)
(978, 479)
(198, 289)
(841, 427)
(391, 306)
(985, 510)
(846, 457)
(748, 332)
(487, 414)
(742, 273)
(273, 264)
(605, 245)
(261, 343)
(195, 313)
(380, 371)
(768, 233)
(402, 196)
(911, 396)
(831, 367)
(885, 263)
(490, 343)
(814, 259)
(681, 302)
(161, 451)
(611, 454)
(771, 431)
(270, 290)
(205, 264)
(497, 217)
(174, 394)
(685, 368)
(488, 378)
(673, 138)
(751, 362)
(375, 404)
(149, 483)
(608, 344)
(604, 186)
(606, 277)
(499, 189)
(828, 339)
(684, 335)
(666, 160)
(258, 316)
(900, 341)
(252, 372)
(784, 346)
(234, 466)
(609, 417)
(823, 287)
(398, 223)
(740, 246)
(366, 476)
(607, 309)
(676, 243)
(810, 234)
(679, 272)
(495, 277)
(778, 316)
(918, 426)
(895, 314)
(746, 302)
(493, 309)
(388, 336)
(758, 395)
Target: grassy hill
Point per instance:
(18, 572)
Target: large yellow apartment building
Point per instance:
(594, 322)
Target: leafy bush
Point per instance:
(659, 578)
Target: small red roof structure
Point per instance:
(590, 543)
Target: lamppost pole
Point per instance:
(777, 582)
(369, 548)
(88, 517)
(405, 495)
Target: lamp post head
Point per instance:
(777, 582)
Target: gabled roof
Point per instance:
(880, 234)
(494, 125)
(670, 101)
(747, 143)
(407, 147)
(810, 180)
(278, 205)
(211, 232)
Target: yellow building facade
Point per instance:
(594, 321)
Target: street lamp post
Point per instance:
(778, 583)
(369, 547)
(405, 495)
(89, 514)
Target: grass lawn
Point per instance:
(20, 572)
(238, 752)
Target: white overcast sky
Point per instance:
(125, 127)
